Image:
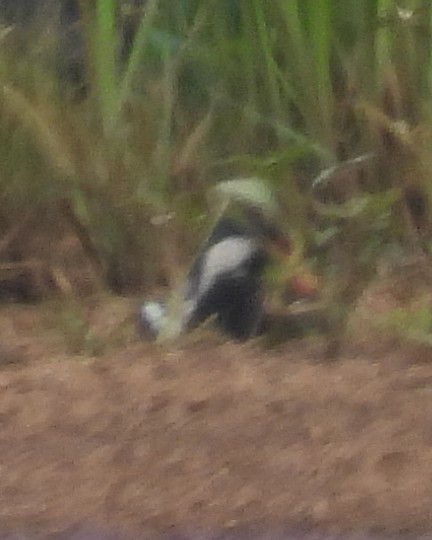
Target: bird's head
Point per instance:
(301, 283)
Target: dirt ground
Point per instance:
(211, 435)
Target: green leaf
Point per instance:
(250, 191)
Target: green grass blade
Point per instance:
(105, 47)
(320, 32)
(138, 49)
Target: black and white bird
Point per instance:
(225, 280)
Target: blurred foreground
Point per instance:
(211, 435)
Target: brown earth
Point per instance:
(210, 434)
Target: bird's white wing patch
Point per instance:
(222, 258)
(153, 316)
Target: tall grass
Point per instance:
(210, 90)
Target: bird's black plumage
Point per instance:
(225, 280)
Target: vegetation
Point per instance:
(114, 171)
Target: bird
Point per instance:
(225, 280)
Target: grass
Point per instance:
(210, 91)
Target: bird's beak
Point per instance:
(278, 241)
(304, 286)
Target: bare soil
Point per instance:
(211, 434)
